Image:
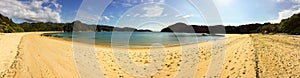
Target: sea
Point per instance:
(135, 39)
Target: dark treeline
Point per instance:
(242, 29)
(290, 26)
(79, 26)
(8, 26)
(41, 26)
(74, 26)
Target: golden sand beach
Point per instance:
(29, 55)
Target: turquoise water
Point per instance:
(135, 39)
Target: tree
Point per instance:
(8, 26)
(290, 25)
(270, 28)
(8, 29)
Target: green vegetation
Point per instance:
(290, 26)
(269, 29)
(40, 26)
(8, 26)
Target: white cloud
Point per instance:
(184, 16)
(94, 19)
(159, 1)
(293, 1)
(111, 16)
(131, 3)
(126, 4)
(106, 18)
(286, 14)
(136, 15)
(177, 15)
(223, 3)
(32, 11)
(187, 16)
(153, 11)
(165, 15)
(162, 1)
(279, 0)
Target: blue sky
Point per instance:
(146, 13)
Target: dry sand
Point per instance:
(26, 55)
(278, 55)
(8, 49)
(38, 57)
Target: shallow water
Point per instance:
(135, 39)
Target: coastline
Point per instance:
(53, 57)
(130, 46)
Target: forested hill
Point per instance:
(79, 26)
(74, 26)
(290, 26)
(8, 26)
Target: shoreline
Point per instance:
(50, 57)
(132, 46)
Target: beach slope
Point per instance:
(25, 55)
(40, 57)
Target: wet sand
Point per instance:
(31, 55)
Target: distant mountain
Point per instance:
(179, 27)
(41, 26)
(8, 26)
(79, 26)
(290, 25)
(74, 26)
(243, 29)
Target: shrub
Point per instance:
(9, 29)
